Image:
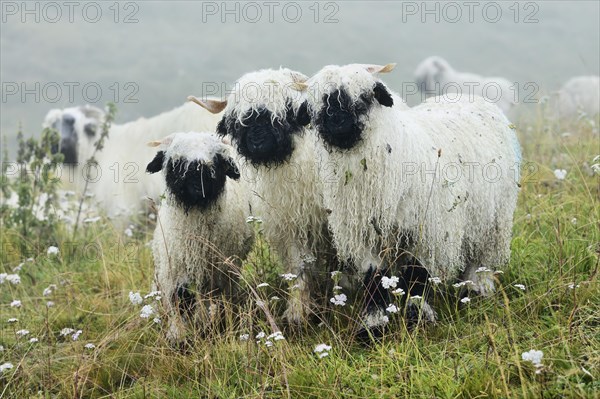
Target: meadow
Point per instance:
(73, 326)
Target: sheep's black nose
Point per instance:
(68, 119)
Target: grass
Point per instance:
(474, 351)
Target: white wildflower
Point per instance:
(528, 216)
(157, 320)
(322, 348)
(14, 279)
(12, 320)
(89, 346)
(146, 311)
(574, 221)
(3, 277)
(416, 297)
(18, 267)
(33, 340)
(128, 232)
(335, 274)
(462, 283)
(337, 288)
(52, 251)
(76, 335)
(22, 333)
(66, 331)
(135, 298)
(339, 299)
(260, 335)
(398, 292)
(533, 356)
(49, 290)
(392, 309)
(466, 300)
(389, 282)
(560, 174)
(244, 337)
(520, 286)
(253, 219)
(91, 220)
(151, 216)
(49, 304)
(498, 272)
(276, 336)
(483, 270)
(15, 304)
(289, 276)
(573, 286)
(261, 285)
(435, 280)
(5, 366)
(274, 298)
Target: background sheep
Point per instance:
(579, 94)
(435, 76)
(201, 226)
(119, 183)
(264, 119)
(413, 180)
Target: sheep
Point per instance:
(201, 226)
(579, 94)
(435, 76)
(408, 187)
(266, 125)
(118, 182)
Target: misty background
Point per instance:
(169, 50)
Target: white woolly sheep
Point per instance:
(579, 94)
(435, 76)
(118, 182)
(436, 183)
(201, 226)
(266, 124)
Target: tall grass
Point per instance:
(474, 351)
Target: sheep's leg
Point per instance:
(415, 283)
(170, 286)
(302, 261)
(482, 279)
(377, 298)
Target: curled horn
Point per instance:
(299, 86)
(380, 68)
(213, 106)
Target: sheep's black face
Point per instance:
(261, 139)
(341, 120)
(68, 138)
(195, 184)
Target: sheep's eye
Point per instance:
(90, 129)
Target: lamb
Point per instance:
(201, 227)
(118, 182)
(579, 94)
(435, 76)
(434, 185)
(265, 122)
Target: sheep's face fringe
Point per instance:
(77, 126)
(195, 167)
(341, 119)
(262, 137)
(196, 184)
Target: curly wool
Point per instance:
(384, 188)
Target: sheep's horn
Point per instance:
(380, 68)
(300, 86)
(213, 106)
(154, 143)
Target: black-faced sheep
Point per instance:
(434, 185)
(201, 229)
(265, 122)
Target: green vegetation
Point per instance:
(474, 351)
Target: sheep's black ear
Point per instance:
(231, 169)
(222, 127)
(302, 115)
(157, 163)
(382, 95)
